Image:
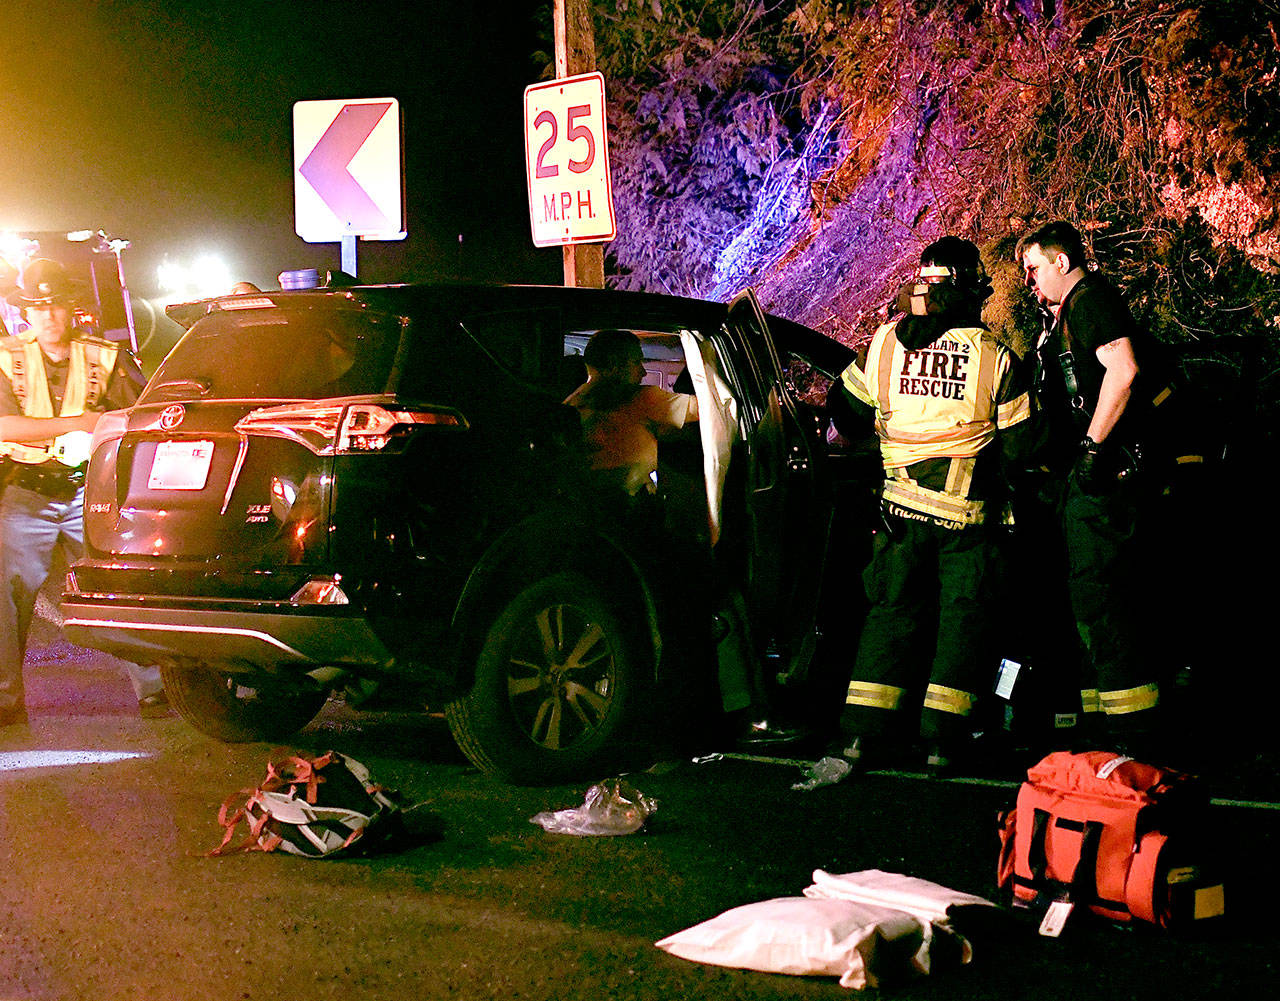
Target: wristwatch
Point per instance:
(1090, 446)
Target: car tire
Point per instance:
(236, 708)
(556, 687)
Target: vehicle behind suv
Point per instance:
(341, 486)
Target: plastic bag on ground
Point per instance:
(611, 807)
(823, 772)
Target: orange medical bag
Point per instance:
(1103, 831)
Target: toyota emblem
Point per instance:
(171, 416)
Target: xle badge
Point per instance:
(257, 513)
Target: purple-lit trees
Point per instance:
(811, 149)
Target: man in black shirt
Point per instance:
(1089, 368)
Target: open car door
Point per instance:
(787, 508)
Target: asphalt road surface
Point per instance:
(106, 890)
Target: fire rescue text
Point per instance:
(938, 371)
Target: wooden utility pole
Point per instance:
(576, 53)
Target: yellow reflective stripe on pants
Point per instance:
(948, 700)
(1130, 700)
(1089, 700)
(868, 693)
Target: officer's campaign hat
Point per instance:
(45, 283)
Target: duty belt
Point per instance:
(51, 479)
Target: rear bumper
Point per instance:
(235, 635)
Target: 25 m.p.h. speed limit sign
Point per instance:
(567, 162)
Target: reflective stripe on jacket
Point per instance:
(938, 402)
(22, 363)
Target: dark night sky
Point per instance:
(169, 123)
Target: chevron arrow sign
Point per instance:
(348, 170)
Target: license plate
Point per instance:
(180, 465)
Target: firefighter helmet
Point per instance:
(950, 277)
(958, 261)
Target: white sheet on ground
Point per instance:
(804, 936)
(863, 927)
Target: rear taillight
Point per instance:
(321, 591)
(313, 426)
(370, 428)
(327, 429)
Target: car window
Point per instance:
(287, 354)
(663, 356)
(521, 341)
(737, 371)
(746, 319)
(806, 382)
(481, 358)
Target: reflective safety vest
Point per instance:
(936, 402)
(22, 363)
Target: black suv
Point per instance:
(382, 484)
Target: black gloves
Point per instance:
(1091, 468)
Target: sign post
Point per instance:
(575, 50)
(348, 173)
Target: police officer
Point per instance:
(946, 400)
(55, 381)
(1088, 387)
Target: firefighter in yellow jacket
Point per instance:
(948, 403)
(55, 382)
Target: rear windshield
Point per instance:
(278, 354)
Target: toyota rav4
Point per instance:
(381, 484)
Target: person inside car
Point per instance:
(622, 419)
(622, 422)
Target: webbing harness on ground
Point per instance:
(288, 800)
